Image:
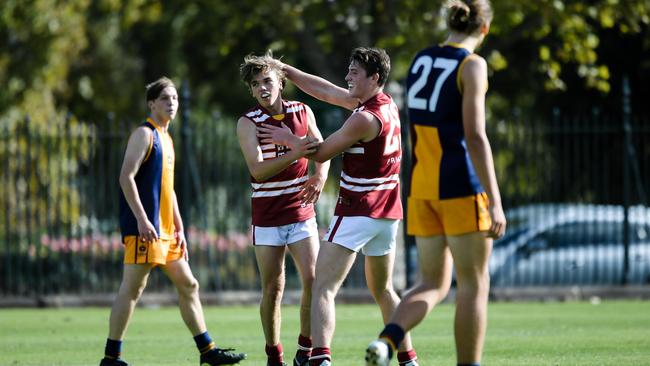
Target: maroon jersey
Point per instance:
(276, 201)
(370, 174)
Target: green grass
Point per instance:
(610, 333)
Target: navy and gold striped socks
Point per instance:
(113, 349)
(204, 343)
(393, 335)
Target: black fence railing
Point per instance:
(574, 188)
(58, 209)
(575, 192)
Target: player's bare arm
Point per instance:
(262, 169)
(474, 79)
(136, 151)
(313, 187)
(359, 126)
(320, 88)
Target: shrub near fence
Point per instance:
(92, 263)
(58, 223)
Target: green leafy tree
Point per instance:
(91, 58)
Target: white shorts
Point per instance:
(277, 236)
(374, 237)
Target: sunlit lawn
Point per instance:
(610, 333)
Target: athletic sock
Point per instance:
(469, 364)
(319, 354)
(406, 356)
(274, 354)
(204, 343)
(393, 334)
(304, 347)
(113, 349)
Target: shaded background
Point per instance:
(73, 76)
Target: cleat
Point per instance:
(281, 364)
(219, 356)
(410, 363)
(113, 362)
(301, 361)
(377, 354)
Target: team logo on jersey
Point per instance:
(281, 150)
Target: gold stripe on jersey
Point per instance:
(426, 171)
(167, 188)
(146, 157)
(459, 74)
(166, 209)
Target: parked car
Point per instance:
(572, 244)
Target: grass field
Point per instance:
(609, 333)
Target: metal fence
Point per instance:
(575, 192)
(574, 188)
(59, 232)
(576, 200)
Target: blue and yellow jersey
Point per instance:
(442, 168)
(155, 182)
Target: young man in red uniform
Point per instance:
(369, 207)
(283, 198)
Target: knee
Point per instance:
(273, 289)
(323, 290)
(132, 291)
(139, 291)
(439, 285)
(307, 282)
(382, 294)
(135, 293)
(478, 282)
(189, 288)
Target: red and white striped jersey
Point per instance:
(276, 201)
(370, 175)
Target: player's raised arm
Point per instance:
(320, 88)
